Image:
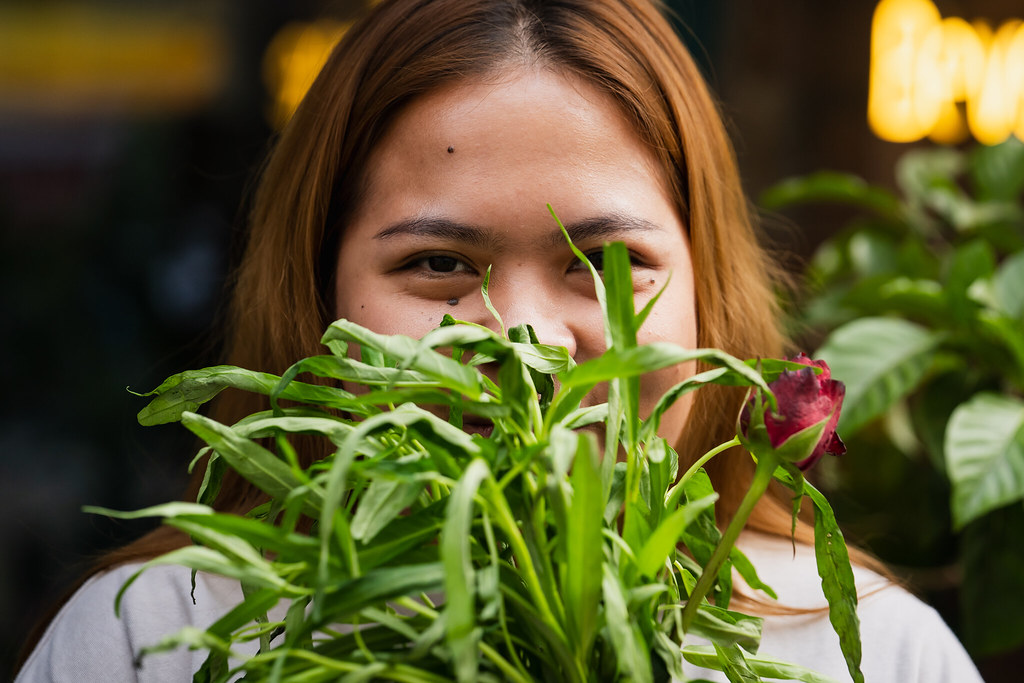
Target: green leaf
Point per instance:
(768, 667)
(252, 461)
(186, 391)
(727, 627)
(632, 657)
(880, 360)
(1008, 286)
(640, 360)
(663, 540)
(584, 549)
(381, 502)
(831, 187)
(459, 581)
(837, 581)
(998, 170)
(985, 455)
(411, 354)
(971, 262)
(209, 560)
(991, 597)
(745, 569)
(375, 587)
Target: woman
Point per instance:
(425, 152)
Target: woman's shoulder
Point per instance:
(88, 641)
(903, 639)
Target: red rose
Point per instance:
(806, 401)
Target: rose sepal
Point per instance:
(799, 448)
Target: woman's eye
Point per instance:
(596, 259)
(440, 263)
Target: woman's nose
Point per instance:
(550, 316)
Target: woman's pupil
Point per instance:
(442, 264)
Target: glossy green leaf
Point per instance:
(829, 186)
(985, 455)
(998, 170)
(1008, 286)
(992, 601)
(880, 360)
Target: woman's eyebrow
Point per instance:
(441, 228)
(605, 227)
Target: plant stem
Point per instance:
(762, 477)
(735, 441)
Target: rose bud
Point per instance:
(804, 427)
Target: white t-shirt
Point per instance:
(904, 640)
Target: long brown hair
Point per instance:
(282, 295)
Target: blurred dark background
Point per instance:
(130, 135)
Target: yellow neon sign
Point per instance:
(944, 78)
(292, 61)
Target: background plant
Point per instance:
(920, 299)
(558, 559)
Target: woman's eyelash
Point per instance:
(596, 258)
(438, 264)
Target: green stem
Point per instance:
(677, 489)
(735, 441)
(766, 465)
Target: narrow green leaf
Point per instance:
(584, 549)
(459, 581)
(380, 504)
(643, 359)
(727, 627)
(411, 354)
(186, 391)
(252, 461)
(768, 667)
(735, 665)
(746, 569)
(662, 542)
(837, 581)
(632, 657)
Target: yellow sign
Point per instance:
(944, 78)
(75, 59)
(292, 61)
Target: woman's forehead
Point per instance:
(536, 134)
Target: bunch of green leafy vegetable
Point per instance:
(920, 299)
(559, 558)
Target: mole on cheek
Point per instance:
(453, 301)
(451, 150)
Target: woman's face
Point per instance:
(461, 181)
